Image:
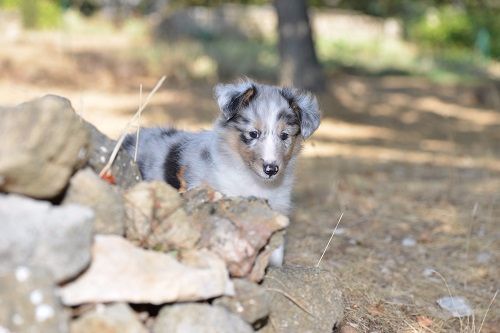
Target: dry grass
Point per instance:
(134, 120)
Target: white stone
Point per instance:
(122, 272)
(457, 306)
(408, 242)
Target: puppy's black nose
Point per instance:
(270, 169)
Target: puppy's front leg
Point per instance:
(277, 256)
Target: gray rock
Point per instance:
(124, 170)
(43, 142)
(122, 272)
(28, 302)
(39, 234)
(303, 299)
(457, 306)
(114, 318)
(87, 189)
(155, 219)
(250, 302)
(199, 318)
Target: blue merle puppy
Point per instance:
(251, 150)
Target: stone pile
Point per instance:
(82, 254)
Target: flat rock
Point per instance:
(250, 302)
(36, 233)
(303, 300)
(88, 189)
(156, 220)
(124, 170)
(237, 230)
(114, 318)
(28, 302)
(122, 272)
(199, 318)
(43, 142)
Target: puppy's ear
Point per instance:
(234, 97)
(306, 106)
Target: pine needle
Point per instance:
(329, 241)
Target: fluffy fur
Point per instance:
(251, 150)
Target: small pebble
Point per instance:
(340, 231)
(457, 306)
(408, 242)
(428, 272)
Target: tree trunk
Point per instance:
(299, 64)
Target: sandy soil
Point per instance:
(414, 167)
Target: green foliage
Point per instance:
(43, 14)
(209, 3)
(444, 27)
(50, 14)
(458, 28)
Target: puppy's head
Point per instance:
(266, 125)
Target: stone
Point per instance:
(43, 142)
(124, 170)
(457, 306)
(88, 189)
(237, 230)
(408, 242)
(122, 272)
(250, 302)
(36, 233)
(199, 318)
(114, 318)
(198, 196)
(155, 219)
(303, 300)
(263, 258)
(28, 302)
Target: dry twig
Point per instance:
(107, 167)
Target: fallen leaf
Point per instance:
(424, 321)
(376, 310)
(107, 176)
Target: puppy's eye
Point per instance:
(253, 134)
(284, 136)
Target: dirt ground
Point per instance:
(413, 166)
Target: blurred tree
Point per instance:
(299, 64)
